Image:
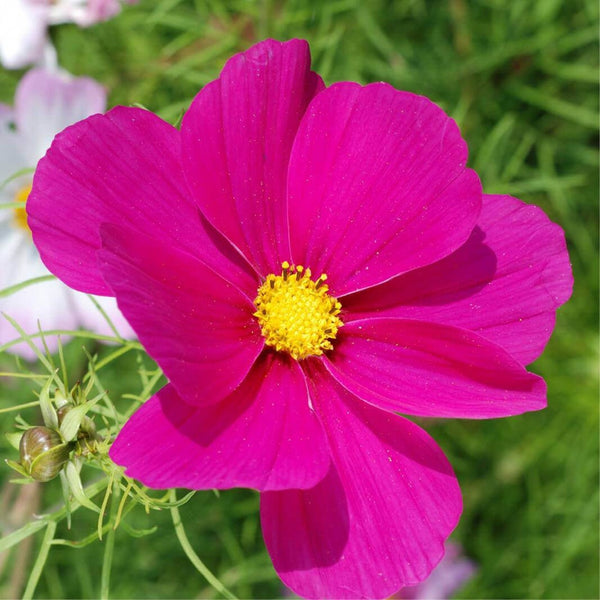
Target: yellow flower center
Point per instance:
(296, 314)
(20, 213)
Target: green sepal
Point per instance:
(72, 420)
(76, 488)
(48, 412)
(14, 438)
(48, 465)
(18, 467)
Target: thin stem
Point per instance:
(19, 286)
(20, 406)
(107, 562)
(191, 554)
(38, 567)
(34, 526)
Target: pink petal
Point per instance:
(86, 14)
(377, 186)
(505, 283)
(432, 370)
(197, 327)
(122, 168)
(89, 317)
(47, 101)
(237, 137)
(378, 521)
(262, 436)
(11, 155)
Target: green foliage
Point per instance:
(521, 79)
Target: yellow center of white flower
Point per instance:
(20, 215)
(296, 314)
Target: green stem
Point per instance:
(109, 546)
(34, 526)
(38, 567)
(115, 508)
(19, 286)
(189, 551)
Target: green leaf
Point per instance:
(189, 551)
(18, 468)
(20, 534)
(64, 484)
(137, 533)
(14, 439)
(33, 527)
(24, 337)
(77, 489)
(48, 413)
(72, 421)
(570, 111)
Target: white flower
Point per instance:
(24, 24)
(45, 103)
(23, 37)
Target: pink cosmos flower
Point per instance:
(45, 103)
(304, 263)
(24, 25)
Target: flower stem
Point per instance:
(189, 551)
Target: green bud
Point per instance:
(62, 411)
(43, 453)
(85, 425)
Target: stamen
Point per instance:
(321, 280)
(20, 215)
(296, 314)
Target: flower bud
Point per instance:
(43, 453)
(86, 426)
(62, 411)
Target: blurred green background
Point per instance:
(521, 79)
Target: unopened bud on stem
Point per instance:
(43, 453)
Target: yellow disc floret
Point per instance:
(20, 214)
(296, 314)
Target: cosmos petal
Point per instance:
(378, 521)
(504, 283)
(122, 168)
(377, 186)
(48, 305)
(11, 157)
(263, 436)
(198, 327)
(90, 317)
(428, 369)
(237, 137)
(47, 101)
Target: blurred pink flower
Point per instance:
(45, 102)
(452, 572)
(24, 23)
(449, 576)
(436, 296)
